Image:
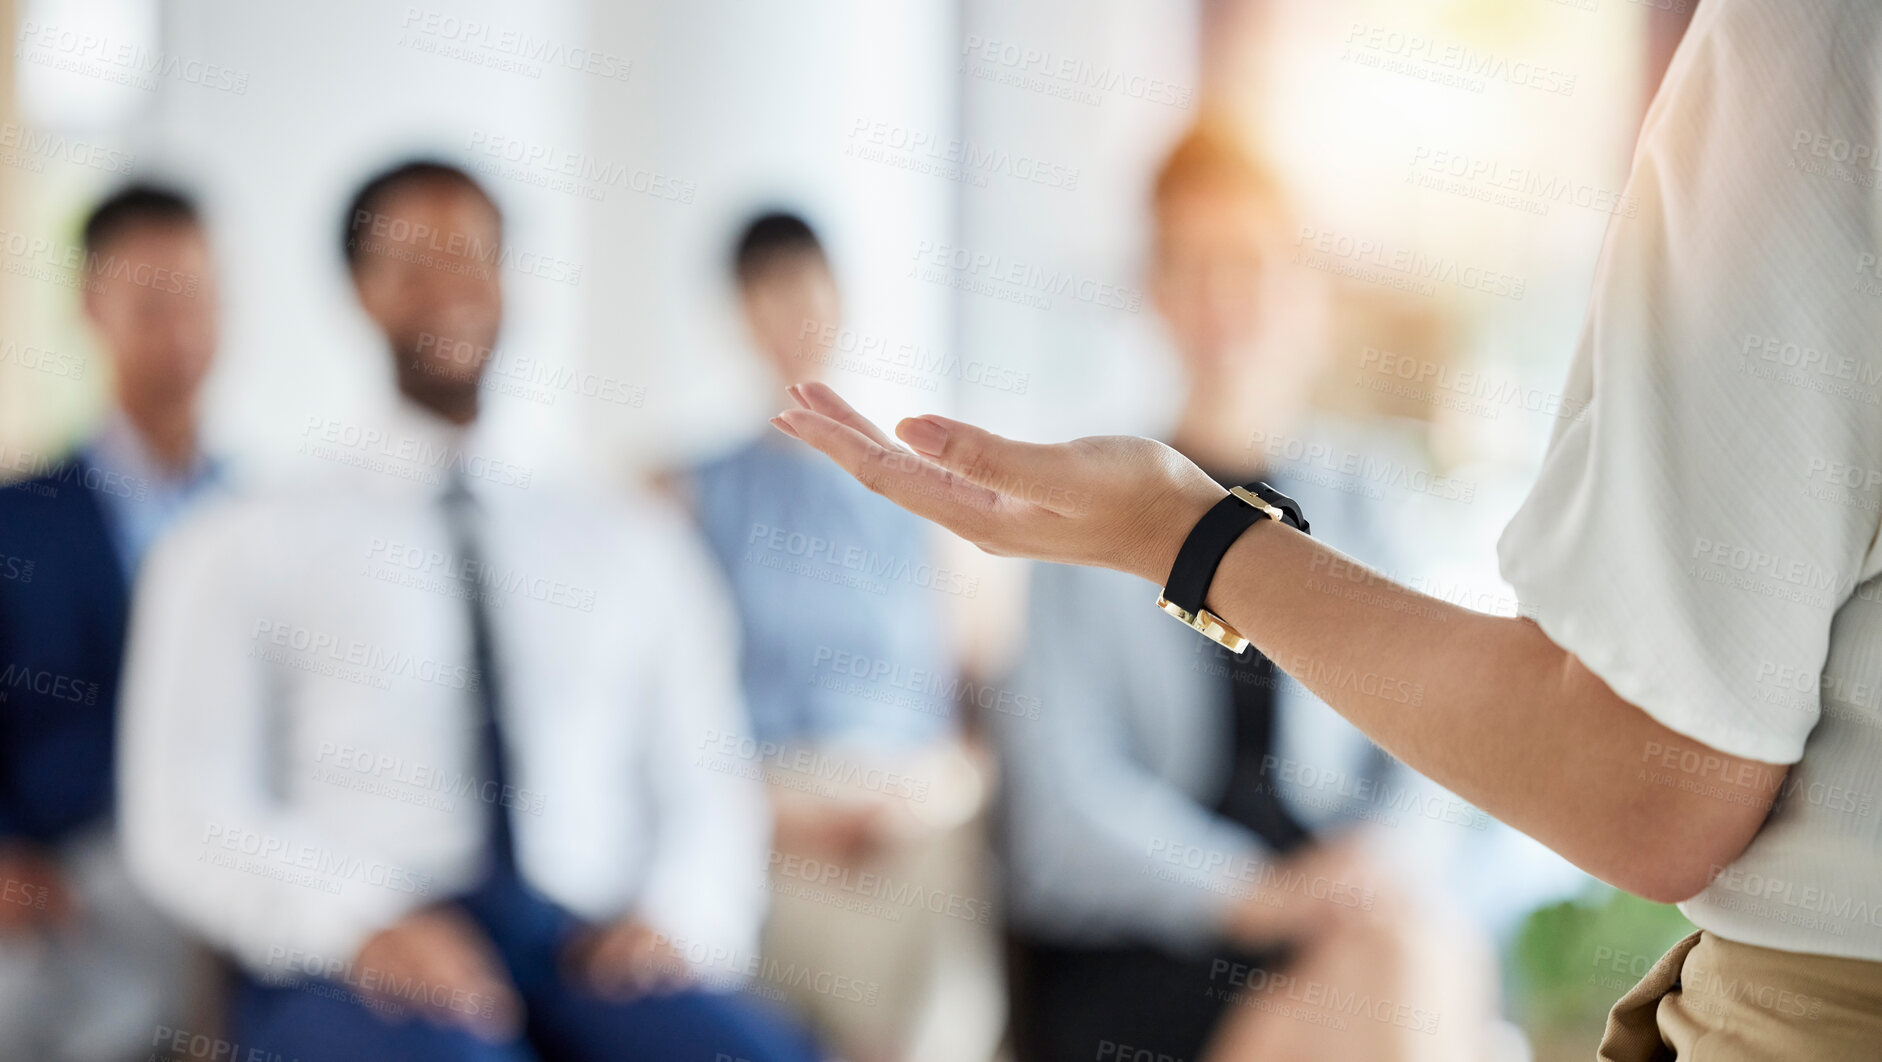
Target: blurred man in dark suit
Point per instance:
(86, 967)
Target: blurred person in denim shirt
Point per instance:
(852, 693)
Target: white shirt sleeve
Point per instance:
(203, 832)
(1696, 527)
(704, 886)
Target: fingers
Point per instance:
(472, 959)
(821, 398)
(1027, 472)
(498, 1014)
(443, 948)
(982, 458)
(38, 894)
(625, 961)
(600, 968)
(918, 485)
(616, 967)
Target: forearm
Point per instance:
(203, 835)
(707, 897)
(248, 874)
(703, 885)
(1505, 717)
(1489, 707)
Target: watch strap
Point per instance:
(1290, 509)
(1208, 542)
(1203, 550)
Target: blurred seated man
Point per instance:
(847, 672)
(417, 744)
(1183, 880)
(87, 967)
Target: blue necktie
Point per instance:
(461, 516)
(529, 930)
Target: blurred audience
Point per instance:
(847, 671)
(1180, 825)
(87, 967)
(417, 742)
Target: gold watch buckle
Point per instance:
(1205, 623)
(1254, 501)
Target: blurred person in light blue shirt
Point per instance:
(852, 692)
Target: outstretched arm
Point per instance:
(1507, 719)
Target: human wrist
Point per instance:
(1167, 524)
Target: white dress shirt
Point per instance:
(1705, 537)
(299, 748)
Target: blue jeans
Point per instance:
(564, 1023)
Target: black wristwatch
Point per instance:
(1203, 550)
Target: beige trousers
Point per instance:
(1715, 1000)
(894, 960)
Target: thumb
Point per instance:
(1030, 472)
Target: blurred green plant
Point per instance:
(1570, 961)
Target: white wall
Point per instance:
(1098, 90)
(732, 106)
(334, 91)
(755, 104)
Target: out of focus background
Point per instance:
(981, 176)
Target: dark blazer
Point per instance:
(64, 604)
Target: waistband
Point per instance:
(1716, 1000)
